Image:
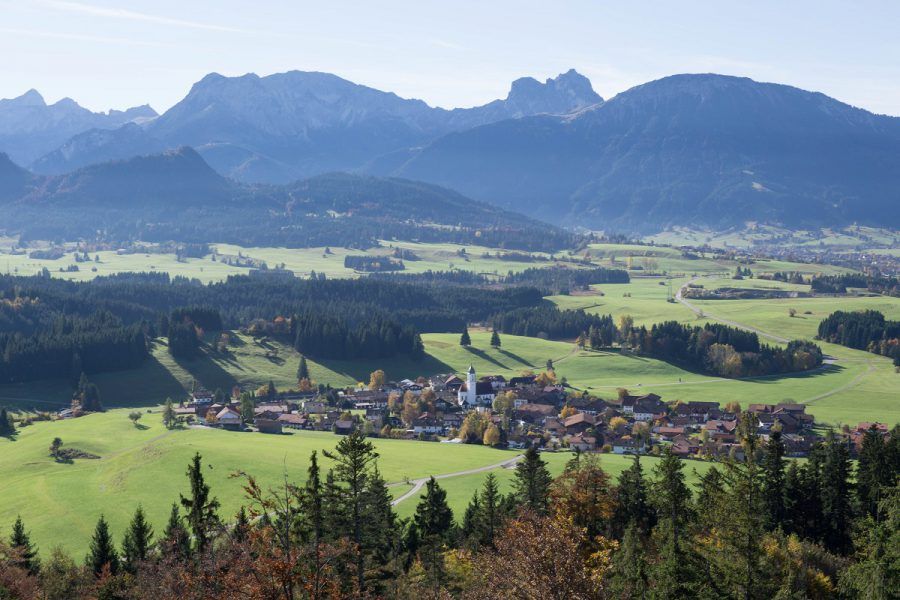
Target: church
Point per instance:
(475, 393)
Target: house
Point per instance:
(699, 412)
(628, 445)
(266, 425)
(497, 382)
(452, 420)
(474, 392)
(668, 433)
(453, 383)
(427, 424)
(582, 442)
(629, 402)
(579, 423)
(683, 446)
(315, 407)
(648, 408)
(534, 413)
(522, 381)
(228, 418)
(591, 406)
(344, 427)
(554, 426)
(294, 421)
(266, 415)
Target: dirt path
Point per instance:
(418, 484)
(698, 311)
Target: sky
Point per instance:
(114, 54)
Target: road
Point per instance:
(698, 311)
(417, 484)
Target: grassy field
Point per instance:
(61, 502)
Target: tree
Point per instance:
(491, 516)
(102, 553)
(7, 427)
(532, 482)
(773, 481)
(411, 409)
(875, 574)
(169, 417)
(202, 515)
(433, 521)
(376, 379)
(874, 471)
(491, 435)
(632, 506)
(176, 540)
(835, 489)
(495, 339)
(302, 369)
(135, 416)
(583, 496)
(26, 557)
(248, 407)
(630, 573)
(137, 541)
(464, 339)
(354, 458)
(55, 446)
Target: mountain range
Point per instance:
(177, 196)
(704, 150)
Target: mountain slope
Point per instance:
(689, 149)
(290, 125)
(30, 128)
(178, 196)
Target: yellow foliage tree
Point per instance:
(491, 435)
(376, 379)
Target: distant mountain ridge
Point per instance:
(707, 150)
(177, 196)
(30, 128)
(291, 125)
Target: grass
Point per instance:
(60, 503)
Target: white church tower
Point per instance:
(471, 388)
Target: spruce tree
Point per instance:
(175, 536)
(773, 481)
(835, 489)
(673, 573)
(469, 526)
(632, 507)
(433, 521)
(354, 457)
(201, 510)
(532, 482)
(303, 369)
(629, 575)
(102, 551)
(492, 511)
(241, 529)
(6, 424)
(495, 339)
(169, 417)
(137, 542)
(873, 472)
(464, 339)
(26, 554)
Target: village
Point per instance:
(530, 410)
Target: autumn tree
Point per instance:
(376, 379)
(491, 435)
(583, 495)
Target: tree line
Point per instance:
(838, 284)
(864, 330)
(549, 322)
(755, 527)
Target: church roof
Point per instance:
(471, 370)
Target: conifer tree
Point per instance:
(241, 528)
(495, 339)
(433, 521)
(201, 510)
(532, 482)
(26, 554)
(492, 511)
(773, 481)
(469, 527)
(6, 424)
(673, 573)
(873, 472)
(632, 507)
(137, 542)
(175, 536)
(464, 339)
(102, 551)
(302, 369)
(629, 577)
(835, 488)
(169, 417)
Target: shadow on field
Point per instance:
(515, 357)
(395, 368)
(207, 372)
(484, 356)
(829, 369)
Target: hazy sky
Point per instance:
(108, 53)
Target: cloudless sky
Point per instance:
(113, 54)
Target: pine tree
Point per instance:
(835, 491)
(873, 472)
(303, 369)
(632, 507)
(673, 573)
(433, 521)
(492, 511)
(469, 527)
(464, 339)
(241, 528)
(137, 542)
(773, 481)
(495, 339)
(102, 552)
(629, 577)
(201, 509)
(26, 554)
(175, 536)
(354, 457)
(7, 428)
(709, 494)
(532, 482)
